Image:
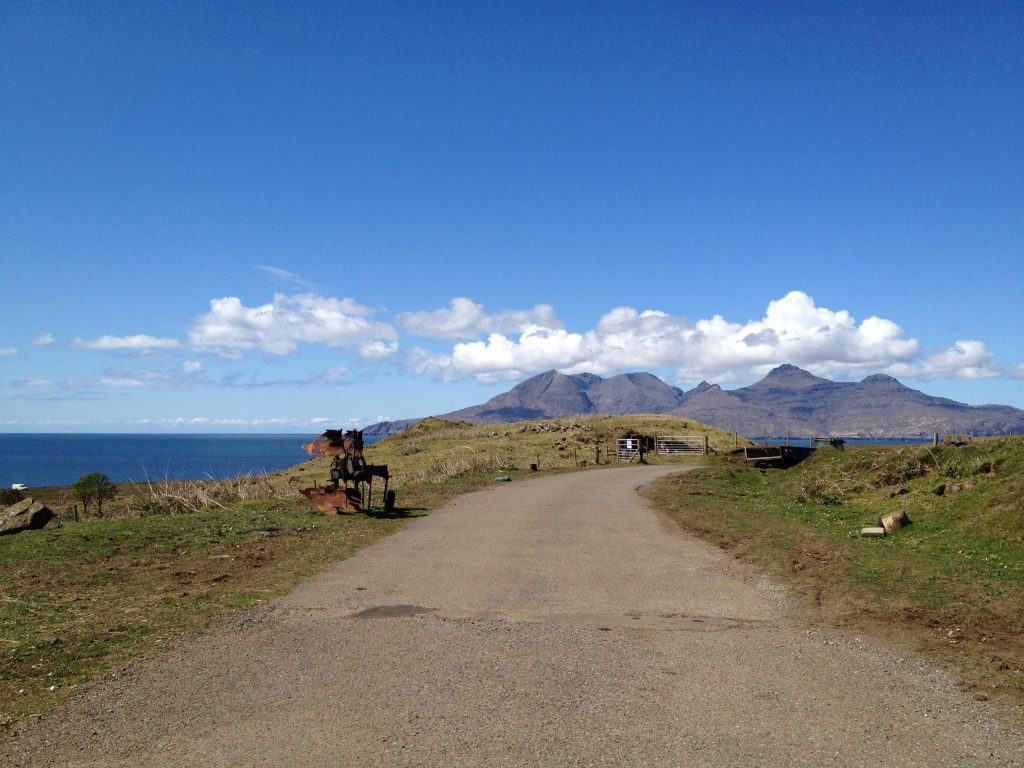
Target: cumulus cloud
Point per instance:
(964, 360)
(793, 330)
(138, 343)
(8, 351)
(44, 340)
(277, 328)
(465, 319)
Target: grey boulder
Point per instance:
(26, 515)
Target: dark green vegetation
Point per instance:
(9, 496)
(953, 579)
(94, 488)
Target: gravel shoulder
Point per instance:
(557, 621)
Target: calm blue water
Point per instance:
(60, 459)
(805, 442)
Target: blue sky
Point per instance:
(278, 216)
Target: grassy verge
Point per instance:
(170, 557)
(80, 601)
(953, 580)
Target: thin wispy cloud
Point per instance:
(209, 421)
(44, 340)
(137, 343)
(286, 276)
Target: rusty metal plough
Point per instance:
(351, 477)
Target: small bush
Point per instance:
(902, 467)
(822, 490)
(9, 496)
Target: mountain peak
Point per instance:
(787, 399)
(787, 369)
(788, 377)
(879, 378)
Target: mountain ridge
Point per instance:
(788, 400)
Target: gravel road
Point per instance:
(552, 622)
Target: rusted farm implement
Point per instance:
(351, 477)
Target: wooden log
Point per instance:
(894, 521)
(871, 531)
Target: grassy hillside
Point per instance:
(80, 601)
(449, 457)
(954, 577)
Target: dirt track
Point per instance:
(559, 622)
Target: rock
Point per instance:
(879, 531)
(894, 521)
(27, 514)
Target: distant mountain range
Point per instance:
(787, 400)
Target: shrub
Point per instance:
(9, 496)
(94, 487)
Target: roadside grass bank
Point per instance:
(168, 558)
(952, 581)
(83, 600)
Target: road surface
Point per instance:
(552, 622)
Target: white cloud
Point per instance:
(44, 340)
(536, 349)
(332, 375)
(121, 383)
(8, 351)
(138, 342)
(284, 274)
(231, 328)
(378, 349)
(964, 360)
(206, 421)
(793, 330)
(465, 319)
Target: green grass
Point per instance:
(80, 601)
(954, 577)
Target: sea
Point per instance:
(59, 459)
(805, 442)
